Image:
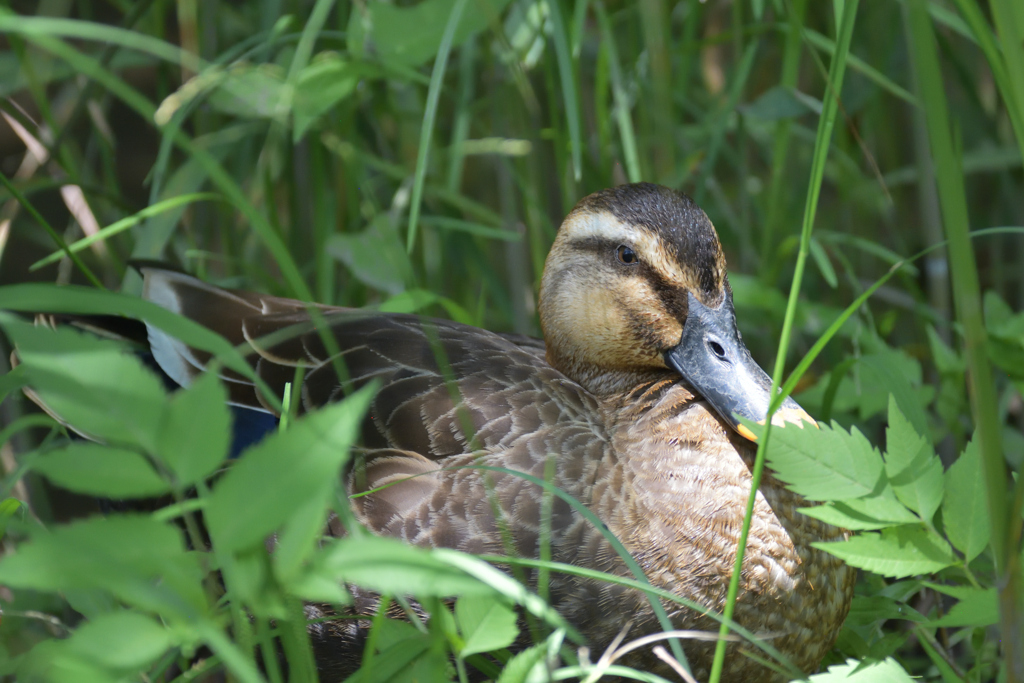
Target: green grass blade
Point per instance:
(982, 32)
(87, 30)
(563, 53)
(828, 46)
(58, 240)
(718, 120)
(304, 49)
(780, 150)
(622, 115)
(967, 298)
(1009, 20)
(825, 125)
(125, 224)
(429, 116)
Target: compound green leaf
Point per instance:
(283, 473)
(388, 566)
(856, 671)
(823, 464)
(195, 431)
(486, 624)
(964, 508)
(914, 470)
(91, 384)
(896, 552)
(876, 511)
(123, 640)
(411, 35)
(98, 470)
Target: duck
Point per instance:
(635, 394)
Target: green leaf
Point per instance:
(51, 661)
(11, 381)
(411, 35)
(123, 641)
(900, 377)
(141, 561)
(914, 470)
(778, 103)
(8, 508)
(862, 514)
(948, 361)
(394, 663)
(322, 83)
(389, 270)
(1007, 355)
(92, 384)
(389, 566)
(98, 470)
(67, 299)
(823, 464)
(195, 431)
(391, 632)
(283, 473)
(964, 508)
(976, 607)
(486, 624)
(409, 301)
(298, 539)
(1000, 320)
(897, 552)
(820, 257)
(252, 91)
(856, 671)
(870, 609)
(520, 668)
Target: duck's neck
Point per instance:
(609, 383)
(684, 466)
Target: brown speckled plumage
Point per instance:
(629, 437)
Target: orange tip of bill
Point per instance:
(795, 416)
(745, 432)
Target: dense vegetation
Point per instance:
(419, 156)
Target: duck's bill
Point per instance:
(716, 363)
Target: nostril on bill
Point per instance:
(716, 349)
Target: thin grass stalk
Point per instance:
(718, 120)
(655, 23)
(986, 40)
(304, 49)
(54, 235)
(825, 125)
(1009, 21)
(570, 97)
(967, 300)
(429, 117)
(622, 116)
(1008, 16)
(796, 10)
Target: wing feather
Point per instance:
(446, 388)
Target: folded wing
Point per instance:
(446, 388)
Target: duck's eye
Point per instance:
(626, 255)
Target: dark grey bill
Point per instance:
(717, 364)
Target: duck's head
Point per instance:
(635, 285)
